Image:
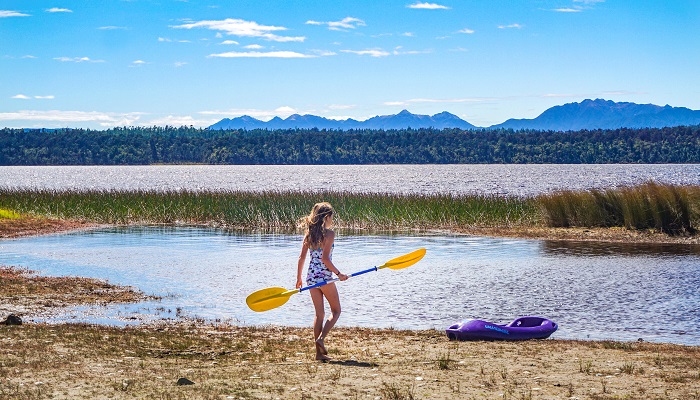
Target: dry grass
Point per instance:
(43, 361)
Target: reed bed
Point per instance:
(272, 209)
(670, 209)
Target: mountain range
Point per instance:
(588, 114)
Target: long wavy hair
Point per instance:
(313, 224)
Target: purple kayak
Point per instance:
(523, 328)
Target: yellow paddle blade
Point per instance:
(267, 299)
(405, 260)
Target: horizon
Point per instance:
(75, 64)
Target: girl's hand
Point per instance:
(299, 283)
(343, 277)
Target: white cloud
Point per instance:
(242, 28)
(253, 47)
(423, 100)
(58, 10)
(369, 52)
(341, 106)
(113, 28)
(77, 59)
(568, 10)
(179, 64)
(8, 13)
(178, 120)
(399, 52)
(21, 97)
(467, 31)
(345, 23)
(228, 42)
(511, 26)
(68, 117)
(324, 53)
(264, 115)
(589, 1)
(428, 6)
(258, 54)
(49, 97)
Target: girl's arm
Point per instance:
(300, 264)
(328, 239)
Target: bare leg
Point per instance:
(330, 292)
(317, 298)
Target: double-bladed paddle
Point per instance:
(269, 298)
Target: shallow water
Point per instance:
(594, 291)
(516, 180)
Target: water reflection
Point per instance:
(598, 291)
(584, 248)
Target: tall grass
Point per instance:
(665, 208)
(273, 209)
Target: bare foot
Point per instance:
(322, 357)
(320, 348)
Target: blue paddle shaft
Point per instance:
(336, 279)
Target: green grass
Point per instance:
(670, 209)
(8, 214)
(273, 209)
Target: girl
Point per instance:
(318, 241)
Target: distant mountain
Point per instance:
(605, 114)
(588, 114)
(402, 120)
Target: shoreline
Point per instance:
(25, 227)
(83, 361)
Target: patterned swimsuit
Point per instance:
(318, 272)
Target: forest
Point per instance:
(189, 145)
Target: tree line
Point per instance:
(173, 145)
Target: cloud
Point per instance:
(21, 97)
(345, 23)
(264, 115)
(77, 59)
(227, 42)
(242, 28)
(428, 6)
(568, 10)
(8, 13)
(467, 31)
(258, 54)
(423, 100)
(178, 120)
(113, 28)
(399, 52)
(58, 10)
(324, 53)
(253, 47)
(72, 117)
(49, 97)
(369, 52)
(341, 106)
(511, 26)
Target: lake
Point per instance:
(593, 290)
(515, 180)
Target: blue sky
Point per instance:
(99, 64)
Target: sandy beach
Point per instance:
(76, 361)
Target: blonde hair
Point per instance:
(313, 224)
